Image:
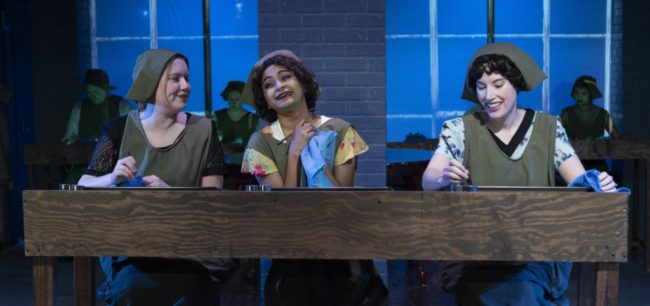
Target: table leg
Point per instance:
(586, 282)
(84, 281)
(44, 280)
(607, 283)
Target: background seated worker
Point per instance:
(235, 124)
(584, 120)
(88, 115)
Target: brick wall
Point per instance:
(636, 70)
(55, 68)
(343, 42)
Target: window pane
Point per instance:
(122, 18)
(407, 17)
(118, 59)
(226, 69)
(399, 127)
(571, 58)
(408, 89)
(233, 17)
(578, 16)
(518, 17)
(454, 55)
(461, 17)
(180, 20)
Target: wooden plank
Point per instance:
(44, 281)
(612, 149)
(84, 281)
(530, 226)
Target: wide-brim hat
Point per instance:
(147, 72)
(232, 86)
(589, 82)
(532, 73)
(99, 78)
(247, 93)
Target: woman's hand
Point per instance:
(301, 135)
(455, 172)
(124, 170)
(153, 181)
(606, 182)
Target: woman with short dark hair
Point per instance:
(504, 145)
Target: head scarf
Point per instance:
(99, 78)
(232, 86)
(589, 82)
(147, 72)
(247, 94)
(533, 75)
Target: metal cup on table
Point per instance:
(257, 188)
(70, 187)
(462, 187)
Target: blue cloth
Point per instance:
(316, 155)
(590, 180)
(136, 182)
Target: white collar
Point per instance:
(278, 134)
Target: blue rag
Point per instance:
(590, 180)
(136, 182)
(316, 155)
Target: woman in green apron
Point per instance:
(285, 92)
(504, 145)
(159, 145)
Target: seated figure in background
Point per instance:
(99, 106)
(88, 115)
(584, 120)
(235, 124)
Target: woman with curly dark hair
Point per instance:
(282, 154)
(505, 145)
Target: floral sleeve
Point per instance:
(453, 132)
(257, 163)
(563, 148)
(351, 146)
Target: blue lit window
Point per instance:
(122, 29)
(428, 45)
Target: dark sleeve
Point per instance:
(107, 149)
(214, 164)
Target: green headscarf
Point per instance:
(590, 83)
(147, 72)
(533, 75)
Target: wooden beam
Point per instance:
(525, 226)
